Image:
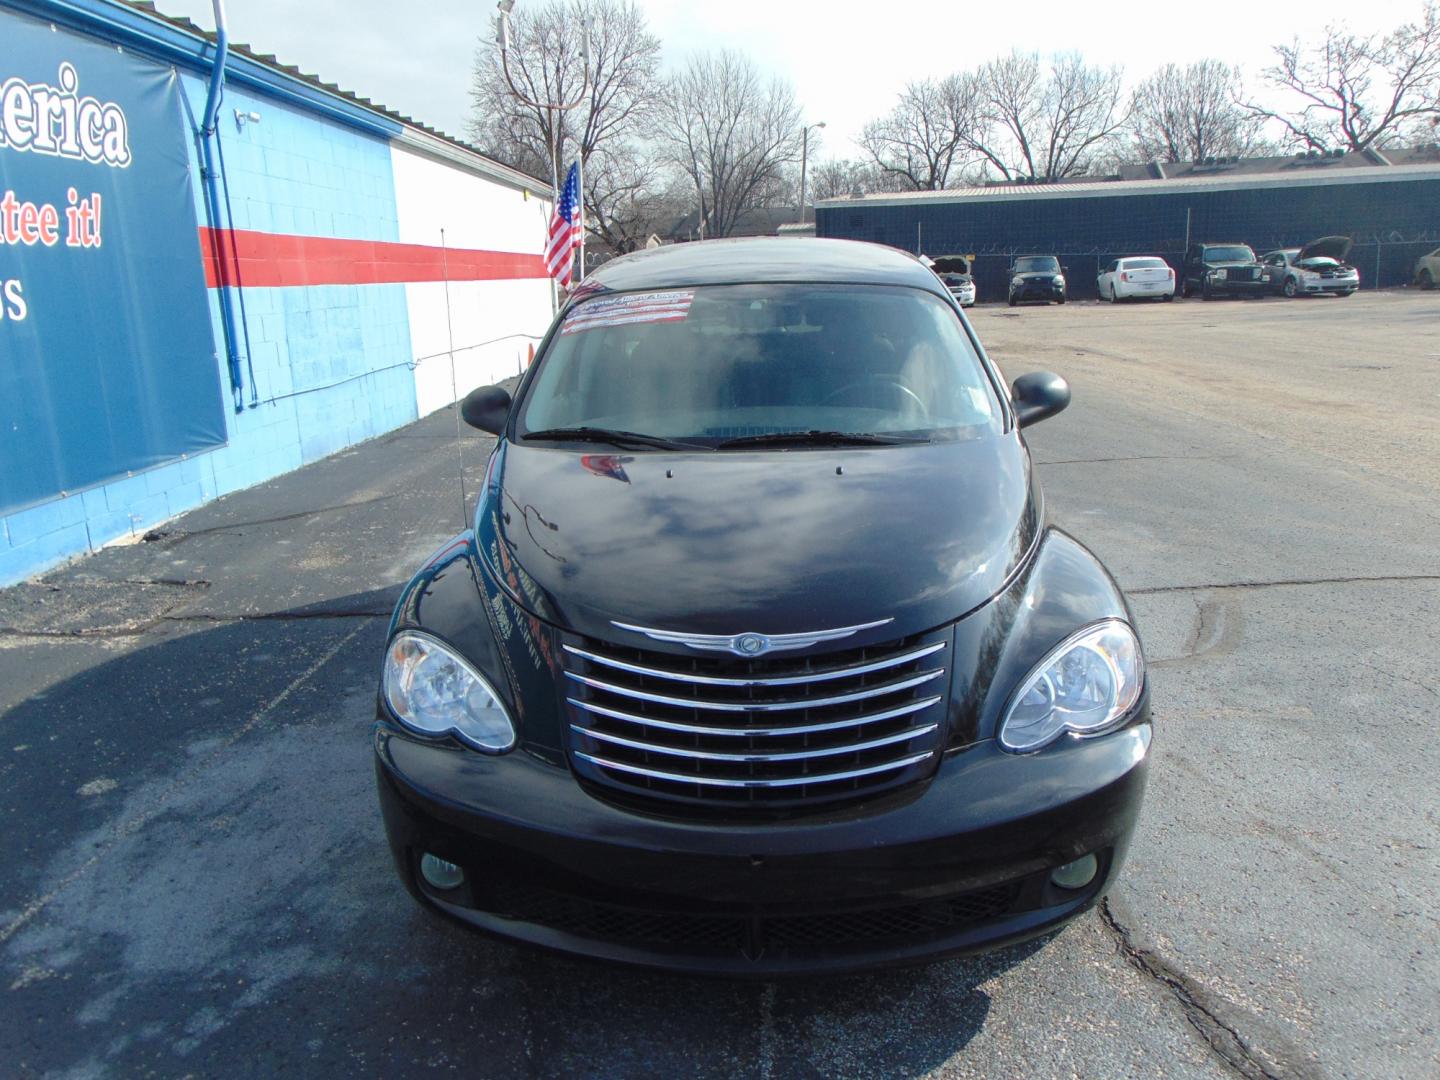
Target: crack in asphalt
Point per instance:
(169, 539)
(1142, 457)
(1356, 580)
(164, 798)
(139, 629)
(1223, 1039)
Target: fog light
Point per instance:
(440, 874)
(1073, 875)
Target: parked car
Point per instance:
(1222, 270)
(1427, 270)
(962, 287)
(1136, 276)
(1318, 267)
(957, 273)
(808, 684)
(1037, 277)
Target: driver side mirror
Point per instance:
(486, 408)
(1038, 395)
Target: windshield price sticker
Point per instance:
(632, 308)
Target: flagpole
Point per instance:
(502, 37)
(554, 206)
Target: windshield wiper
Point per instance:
(613, 436)
(820, 438)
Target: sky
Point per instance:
(846, 60)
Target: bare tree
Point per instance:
(1191, 113)
(1355, 91)
(929, 135)
(1047, 121)
(839, 178)
(631, 195)
(546, 63)
(730, 131)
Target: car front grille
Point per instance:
(772, 734)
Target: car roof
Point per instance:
(762, 259)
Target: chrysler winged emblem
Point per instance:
(750, 644)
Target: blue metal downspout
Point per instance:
(211, 177)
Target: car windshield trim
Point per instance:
(822, 438)
(1230, 253)
(587, 433)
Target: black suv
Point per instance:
(1222, 270)
(1037, 277)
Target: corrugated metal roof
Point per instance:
(1101, 188)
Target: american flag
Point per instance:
(565, 229)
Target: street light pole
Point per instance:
(804, 155)
(502, 37)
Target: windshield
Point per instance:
(1239, 253)
(1142, 264)
(1037, 264)
(711, 364)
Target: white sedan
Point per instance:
(1136, 276)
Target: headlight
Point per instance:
(1219, 275)
(434, 690)
(1309, 275)
(1017, 280)
(1059, 281)
(1084, 685)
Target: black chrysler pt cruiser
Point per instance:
(761, 657)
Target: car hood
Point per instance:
(1327, 247)
(770, 541)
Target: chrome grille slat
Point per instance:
(787, 680)
(792, 729)
(822, 724)
(761, 706)
(778, 782)
(743, 758)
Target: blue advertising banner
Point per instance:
(107, 361)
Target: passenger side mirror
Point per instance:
(1038, 395)
(486, 408)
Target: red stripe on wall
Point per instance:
(272, 259)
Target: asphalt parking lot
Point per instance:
(196, 882)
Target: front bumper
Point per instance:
(1238, 286)
(958, 864)
(1032, 290)
(1330, 285)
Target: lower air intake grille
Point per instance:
(752, 934)
(771, 734)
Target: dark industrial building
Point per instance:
(1389, 204)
